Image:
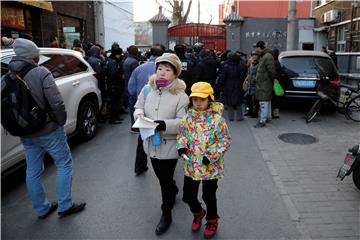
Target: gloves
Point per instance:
(139, 115)
(161, 125)
(182, 151)
(205, 161)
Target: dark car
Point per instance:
(305, 72)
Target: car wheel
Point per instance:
(314, 110)
(87, 120)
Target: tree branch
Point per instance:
(171, 3)
(187, 11)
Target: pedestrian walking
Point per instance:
(139, 78)
(202, 140)
(51, 138)
(166, 103)
(265, 76)
(232, 77)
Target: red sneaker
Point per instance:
(211, 227)
(195, 226)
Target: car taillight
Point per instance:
(335, 83)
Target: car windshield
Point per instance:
(309, 66)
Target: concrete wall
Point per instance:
(270, 30)
(119, 24)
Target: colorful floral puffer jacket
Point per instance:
(204, 133)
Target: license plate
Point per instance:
(349, 159)
(304, 83)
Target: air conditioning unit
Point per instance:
(332, 16)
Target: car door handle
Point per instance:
(76, 83)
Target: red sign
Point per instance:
(12, 17)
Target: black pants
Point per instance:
(115, 95)
(164, 171)
(141, 157)
(191, 189)
(253, 105)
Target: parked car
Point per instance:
(303, 72)
(78, 87)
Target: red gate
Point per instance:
(212, 36)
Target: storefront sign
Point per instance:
(68, 29)
(12, 17)
(70, 37)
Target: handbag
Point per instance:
(245, 85)
(278, 89)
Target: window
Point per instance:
(62, 65)
(340, 39)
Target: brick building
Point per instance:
(337, 26)
(64, 19)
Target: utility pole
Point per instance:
(353, 5)
(197, 28)
(291, 27)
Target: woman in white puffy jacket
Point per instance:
(166, 103)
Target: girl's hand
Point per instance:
(139, 115)
(182, 151)
(205, 161)
(161, 125)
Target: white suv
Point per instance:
(78, 87)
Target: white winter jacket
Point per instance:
(169, 105)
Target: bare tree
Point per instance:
(177, 10)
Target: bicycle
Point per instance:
(350, 106)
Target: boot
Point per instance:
(196, 224)
(211, 227)
(164, 224)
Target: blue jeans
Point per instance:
(35, 148)
(265, 111)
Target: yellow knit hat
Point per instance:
(202, 90)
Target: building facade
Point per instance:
(337, 27)
(66, 20)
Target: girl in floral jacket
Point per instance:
(202, 140)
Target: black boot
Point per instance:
(164, 224)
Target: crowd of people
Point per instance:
(184, 91)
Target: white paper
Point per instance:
(146, 132)
(146, 127)
(144, 123)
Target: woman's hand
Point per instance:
(139, 115)
(161, 125)
(182, 151)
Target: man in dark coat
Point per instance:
(232, 78)
(188, 66)
(130, 63)
(205, 70)
(115, 81)
(265, 76)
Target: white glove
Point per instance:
(139, 115)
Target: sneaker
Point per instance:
(75, 208)
(52, 208)
(259, 125)
(196, 224)
(211, 228)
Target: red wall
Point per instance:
(271, 9)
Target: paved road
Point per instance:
(322, 207)
(122, 206)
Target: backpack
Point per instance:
(20, 114)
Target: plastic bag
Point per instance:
(278, 89)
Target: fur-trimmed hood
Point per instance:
(176, 87)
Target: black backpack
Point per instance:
(20, 114)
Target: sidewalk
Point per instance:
(305, 175)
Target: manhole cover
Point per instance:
(297, 138)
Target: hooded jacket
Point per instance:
(206, 134)
(266, 73)
(44, 91)
(168, 104)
